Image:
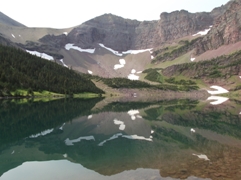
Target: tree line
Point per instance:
(21, 70)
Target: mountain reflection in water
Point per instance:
(69, 138)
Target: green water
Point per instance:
(89, 139)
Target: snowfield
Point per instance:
(71, 46)
(42, 55)
(202, 33)
(121, 65)
(219, 90)
(125, 52)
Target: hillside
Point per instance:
(21, 70)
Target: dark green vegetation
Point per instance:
(18, 121)
(21, 70)
(170, 53)
(153, 75)
(169, 83)
(223, 67)
(127, 83)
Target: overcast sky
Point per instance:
(69, 13)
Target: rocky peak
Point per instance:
(113, 31)
(4, 19)
(178, 24)
(226, 29)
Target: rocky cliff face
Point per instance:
(226, 29)
(178, 24)
(125, 34)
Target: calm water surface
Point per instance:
(91, 139)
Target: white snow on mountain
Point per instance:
(62, 61)
(71, 46)
(121, 65)
(219, 90)
(192, 59)
(111, 50)
(202, 33)
(202, 156)
(42, 55)
(133, 77)
(136, 51)
(125, 52)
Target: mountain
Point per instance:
(225, 31)
(111, 46)
(4, 19)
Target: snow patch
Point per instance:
(66, 33)
(133, 77)
(111, 50)
(43, 133)
(90, 72)
(220, 90)
(69, 142)
(62, 61)
(136, 51)
(121, 123)
(90, 117)
(133, 71)
(152, 131)
(218, 100)
(42, 55)
(192, 130)
(202, 33)
(152, 57)
(13, 36)
(71, 46)
(192, 59)
(202, 156)
(121, 65)
(125, 52)
(139, 72)
(13, 152)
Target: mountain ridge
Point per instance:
(4, 19)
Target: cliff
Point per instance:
(226, 29)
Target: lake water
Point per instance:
(91, 139)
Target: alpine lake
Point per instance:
(93, 139)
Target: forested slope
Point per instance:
(21, 70)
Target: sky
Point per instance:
(63, 14)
